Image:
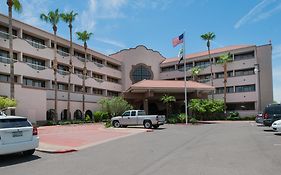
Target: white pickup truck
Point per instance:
(138, 117)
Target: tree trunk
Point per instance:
(69, 76)
(224, 89)
(55, 65)
(211, 66)
(12, 74)
(84, 77)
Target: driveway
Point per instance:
(68, 138)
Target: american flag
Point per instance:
(178, 40)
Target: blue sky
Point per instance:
(120, 24)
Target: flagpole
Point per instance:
(185, 89)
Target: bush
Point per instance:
(114, 106)
(193, 121)
(181, 118)
(107, 123)
(7, 102)
(233, 116)
(100, 116)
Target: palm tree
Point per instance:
(53, 18)
(16, 5)
(69, 18)
(224, 59)
(84, 36)
(168, 99)
(209, 37)
(195, 71)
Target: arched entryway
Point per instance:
(50, 115)
(89, 113)
(63, 115)
(78, 115)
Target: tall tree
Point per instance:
(16, 5)
(209, 37)
(195, 71)
(69, 18)
(53, 18)
(84, 36)
(167, 100)
(224, 59)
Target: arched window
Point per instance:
(51, 114)
(140, 72)
(89, 113)
(63, 115)
(78, 115)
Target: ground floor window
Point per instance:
(241, 106)
(51, 114)
(63, 115)
(78, 115)
(89, 113)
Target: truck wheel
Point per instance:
(147, 124)
(155, 126)
(116, 124)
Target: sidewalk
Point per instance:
(70, 138)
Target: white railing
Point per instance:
(62, 53)
(99, 80)
(62, 72)
(36, 44)
(5, 35)
(98, 64)
(80, 58)
(36, 66)
(5, 60)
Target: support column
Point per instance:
(145, 105)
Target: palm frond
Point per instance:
(17, 5)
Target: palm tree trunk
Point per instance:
(84, 77)
(212, 83)
(55, 65)
(224, 89)
(12, 76)
(69, 76)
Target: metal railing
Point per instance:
(36, 66)
(62, 53)
(204, 80)
(5, 35)
(98, 64)
(36, 44)
(62, 72)
(5, 60)
(99, 80)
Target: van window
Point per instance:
(14, 123)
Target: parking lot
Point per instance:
(219, 148)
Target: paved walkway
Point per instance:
(69, 138)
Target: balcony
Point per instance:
(5, 60)
(203, 80)
(62, 72)
(98, 64)
(5, 35)
(36, 66)
(62, 53)
(36, 44)
(99, 80)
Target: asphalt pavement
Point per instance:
(235, 148)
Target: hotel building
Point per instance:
(140, 75)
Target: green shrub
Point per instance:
(114, 106)
(100, 116)
(7, 102)
(233, 116)
(107, 123)
(88, 119)
(181, 118)
(193, 121)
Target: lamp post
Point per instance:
(257, 72)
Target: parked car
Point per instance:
(17, 135)
(276, 125)
(271, 113)
(138, 117)
(259, 118)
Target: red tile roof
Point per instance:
(204, 53)
(169, 85)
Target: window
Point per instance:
(246, 88)
(14, 123)
(34, 82)
(97, 91)
(6, 78)
(112, 93)
(5, 57)
(126, 113)
(34, 63)
(78, 71)
(241, 106)
(63, 51)
(220, 90)
(244, 56)
(79, 55)
(221, 74)
(113, 80)
(168, 68)
(113, 66)
(33, 41)
(97, 60)
(62, 69)
(4, 32)
(133, 113)
(61, 86)
(141, 72)
(188, 66)
(203, 64)
(244, 72)
(79, 88)
(98, 76)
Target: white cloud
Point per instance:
(111, 42)
(258, 13)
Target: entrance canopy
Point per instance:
(164, 86)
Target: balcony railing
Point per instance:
(98, 64)
(36, 66)
(80, 58)
(204, 80)
(5, 35)
(99, 80)
(62, 72)
(62, 53)
(36, 44)
(5, 60)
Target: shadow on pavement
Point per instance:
(278, 134)
(135, 127)
(12, 159)
(269, 130)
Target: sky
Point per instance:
(121, 24)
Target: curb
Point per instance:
(57, 151)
